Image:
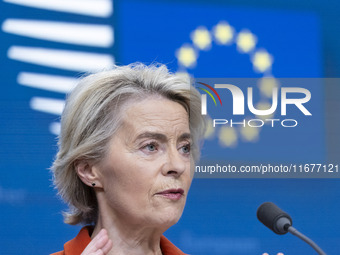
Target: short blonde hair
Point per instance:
(92, 116)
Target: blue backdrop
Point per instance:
(220, 216)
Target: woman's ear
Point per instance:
(88, 173)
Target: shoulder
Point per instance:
(58, 253)
(168, 248)
(77, 244)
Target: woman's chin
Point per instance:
(168, 219)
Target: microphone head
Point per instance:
(274, 218)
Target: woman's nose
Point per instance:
(175, 163)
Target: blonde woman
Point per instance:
(129, 140)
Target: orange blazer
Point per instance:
(79, 243)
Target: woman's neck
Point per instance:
(127, 237)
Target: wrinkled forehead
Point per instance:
(155, 115)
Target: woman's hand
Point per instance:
(100, 245)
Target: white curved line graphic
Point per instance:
(65, 32)
(55, 83)
(63, 59)
(48, 105)
(97, 8)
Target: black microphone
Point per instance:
(280, 222)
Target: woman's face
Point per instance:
(146, 173)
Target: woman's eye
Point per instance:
(186, 148)
(150, 147)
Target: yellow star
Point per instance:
(183, 76)
(267, 84)
(246, 41)
(228, 137)
(262, 61)
(250, 134)
(210, 130)
(186, 56)
(223, 33)
(201, 38)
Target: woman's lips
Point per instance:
(173, 194)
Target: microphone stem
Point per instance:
(295, 232)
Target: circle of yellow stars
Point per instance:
(224, 34)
